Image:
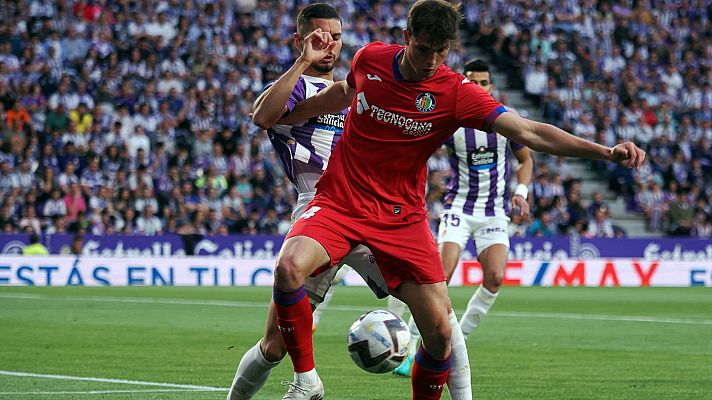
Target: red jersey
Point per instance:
(378, 170)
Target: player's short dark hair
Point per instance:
(313, 11)
(476, 66)
(438, 19)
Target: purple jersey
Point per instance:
(305, 148)
(480, 173)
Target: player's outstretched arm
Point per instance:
(550, 139)
(331, 100)
(270, 106)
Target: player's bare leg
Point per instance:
(298, 258)
(450, 256)
(494, 261)
(430, 307)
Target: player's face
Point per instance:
(481, 79)
(332, 26)
(422, 57)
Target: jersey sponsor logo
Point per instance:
(425, 102)
(410, 126)
(374, 77)
(491, 230)
(331, 122)
(483, 158)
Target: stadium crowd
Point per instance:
(616, 71)
(132, 116)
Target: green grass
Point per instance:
(538, 343)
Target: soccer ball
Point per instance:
(378, 341)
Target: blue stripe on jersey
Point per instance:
(472, 173)
(396, 69)
(491, 117)
(489, 206)
(326, 127)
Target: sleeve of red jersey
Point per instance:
(475, 108)
(351, 78)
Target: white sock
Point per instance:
(310, 378)
(414, 337)
(251, 375)
(477, 308)
(396, 306)
(459, 382)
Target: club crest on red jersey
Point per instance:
(425, 102)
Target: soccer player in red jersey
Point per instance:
(404, 104)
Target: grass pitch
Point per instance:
(184, 343)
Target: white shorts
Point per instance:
(458, 227)
(360, 259)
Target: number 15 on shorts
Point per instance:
(454, 219)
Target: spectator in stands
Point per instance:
(543, 226)
(600, 225)
(681, 215)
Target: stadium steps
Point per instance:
(632, 223)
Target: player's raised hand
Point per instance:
(317, 45)
(628, 154)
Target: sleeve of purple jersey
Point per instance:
(516, 146)
(298, 94)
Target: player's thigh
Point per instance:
(319, 238)
(450, 255)
(302, 254)
(492, 244)
(430, 306)
(406, 252)
(362, 260)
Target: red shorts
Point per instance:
(403, 252)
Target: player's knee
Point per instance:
(438, 341)
(494, 280)
(290, 269)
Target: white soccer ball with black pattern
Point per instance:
(378, 341)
